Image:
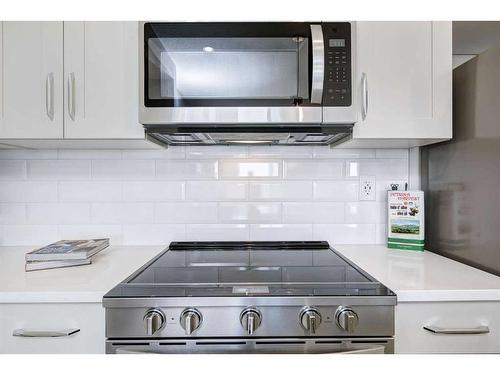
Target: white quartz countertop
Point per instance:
(423, 276)
(413, 276)
(86, 283)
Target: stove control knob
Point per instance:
(250, 319)
(154, 320)
(310, 319)
(190, 320)
(346, 319)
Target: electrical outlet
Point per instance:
(367, 188)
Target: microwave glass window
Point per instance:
(336, 43)
(228, 68)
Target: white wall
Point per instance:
(195, 193)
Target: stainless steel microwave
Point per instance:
(247, 82)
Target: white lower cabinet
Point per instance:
(37, 318)
(466, 319)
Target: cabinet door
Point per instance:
(450, 327)
(405, 76)
(31, 80)
(85, 322)
(101, 80)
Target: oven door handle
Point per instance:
(318, 64)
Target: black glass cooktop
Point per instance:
(214, 269)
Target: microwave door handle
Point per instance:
(318, 64)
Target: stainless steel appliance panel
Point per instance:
(219, 68)
(230, 115)
(224, 321)
(362, 345)
(461, 176)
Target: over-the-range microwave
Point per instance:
(280, 83)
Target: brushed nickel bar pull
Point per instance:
(42, 333)
(49, 96)
(71, 95)
(457, 331)
(364, 90)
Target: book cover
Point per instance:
(68, 250)
(405, 221)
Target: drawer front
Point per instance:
(38, 319)
(464, 318)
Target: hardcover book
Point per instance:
(68, 250)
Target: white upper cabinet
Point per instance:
(31, 66)
(101, 80)
(405, 81)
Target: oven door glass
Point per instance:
(206, 66)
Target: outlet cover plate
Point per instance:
(367, 188)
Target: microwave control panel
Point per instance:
(337, 88)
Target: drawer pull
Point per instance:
(458, 331)
(31, 333)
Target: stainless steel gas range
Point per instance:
(249, 297)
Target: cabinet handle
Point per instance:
(364, 100)
(457, 331)
(49, 96)
(71, 95)
(32, 333)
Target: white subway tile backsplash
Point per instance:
(123, 169)
(381, 234)
(302, 152)
(185, 212)
(281, 191)
(383, 169)
(217, 232)
(12, 213)
(345, 233)
(392, 153)
(336, 191)
(224, 193)
(86, 191)
(57, 213)
(89, 154)
(153, 191)
(121, 213)
(28, 235)
(87, 232)
(153, 234)
(281, 232)
(59, 169)
(216, 190)
(321, 152)
(12, 169)
(187, 170)
(28, 154)
(317, 170)
(249, 212)
(177, 152)
(249, 169)
(21, 191)
(365, 212)
(216, 152)
(313, 212)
